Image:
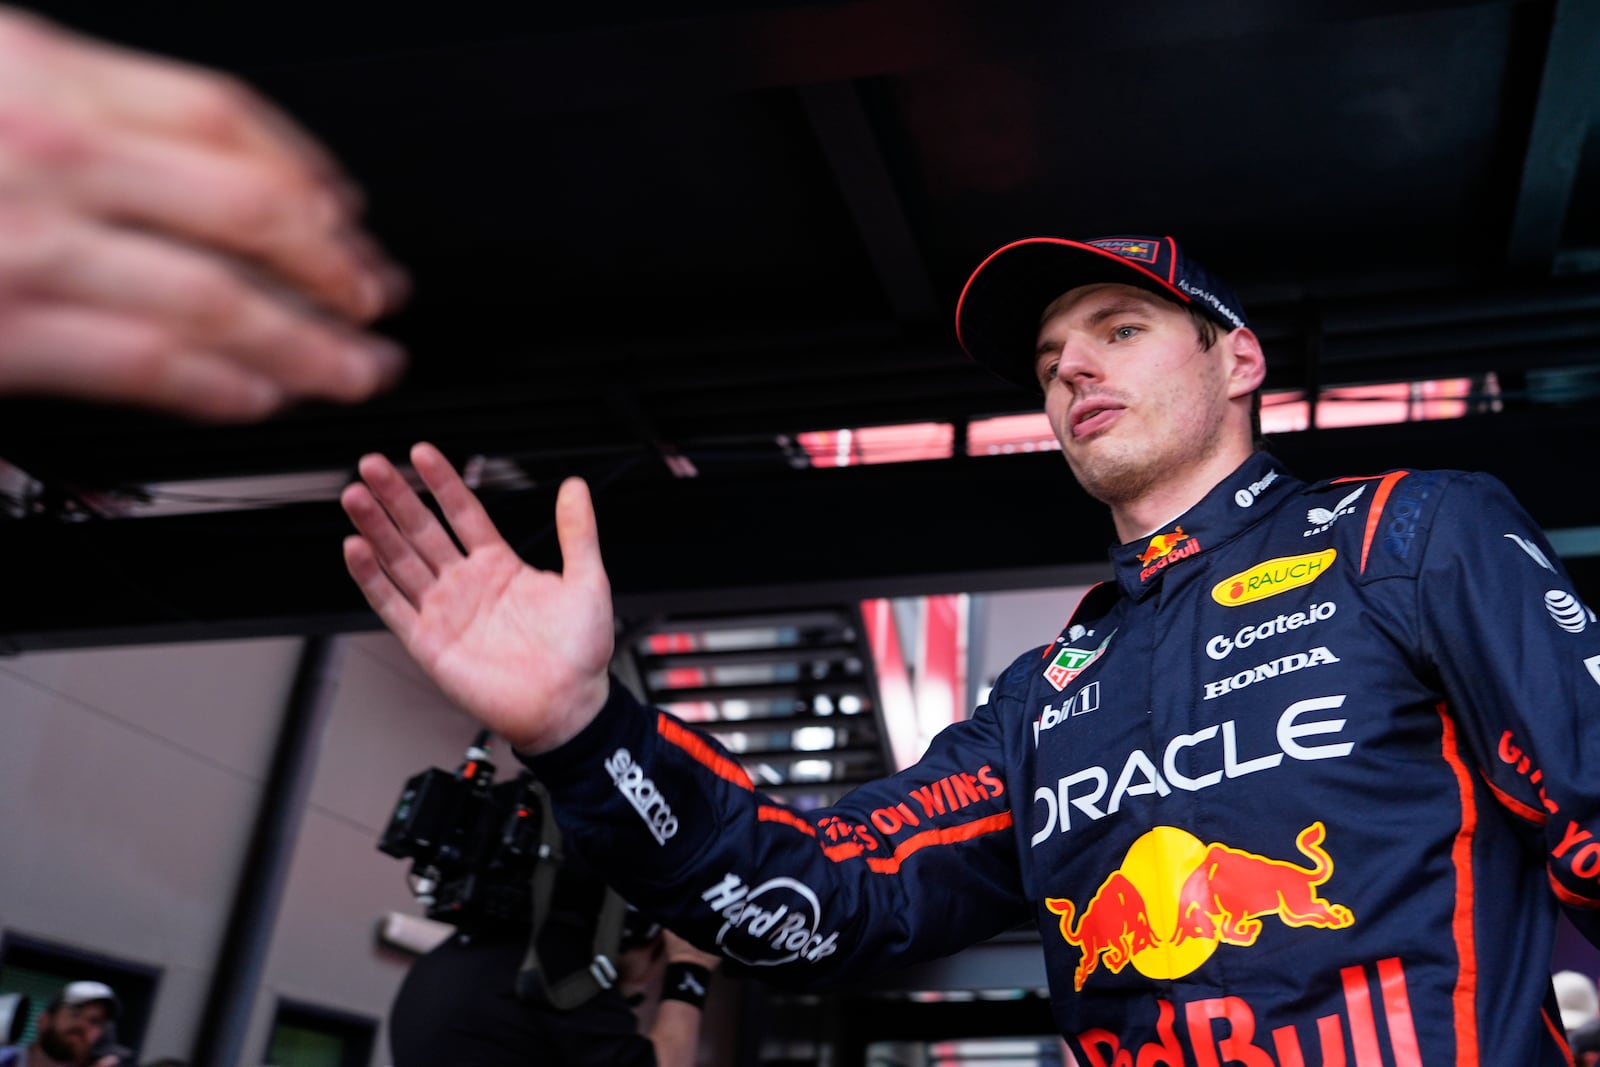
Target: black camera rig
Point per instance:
(487, 854)
(473, 844)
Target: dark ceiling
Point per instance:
(644, 233)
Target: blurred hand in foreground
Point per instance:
(169, 240)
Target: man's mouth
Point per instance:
(1092, 416)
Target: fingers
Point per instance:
(396, 611)
(410, 544)
(114, 86)
(186, 153)
(173, 98)
(278, 218)
(93, 355)
(407, 543)
(460, 505)
(579, 535)
(199, 302)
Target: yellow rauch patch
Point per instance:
(1272, 577)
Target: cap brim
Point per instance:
(997, 317)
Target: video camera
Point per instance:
(486, 854)
(474, 844)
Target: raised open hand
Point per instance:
(524, 651)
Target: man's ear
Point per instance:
(1247, 363)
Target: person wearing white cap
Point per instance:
(69, 1028)
(1579, 1002)
(1577, 998)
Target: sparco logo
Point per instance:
(774, 923)
(1247, 496)
(1219, 646)
(1282, 665)
(642, 794)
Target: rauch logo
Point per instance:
(1271, 577)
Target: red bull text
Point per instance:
(1228, 1030)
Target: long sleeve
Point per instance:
(1518, 654)
(907, 868)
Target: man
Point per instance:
(68, 1029)
(1304, 783)
(1579, 1003)
(168, 239)
(458, 1005)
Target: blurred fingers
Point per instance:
(94, 355)
(118, 86)
(291, 226)
(200, 300)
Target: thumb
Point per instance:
(578, 535)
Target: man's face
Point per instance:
(69, 1032)
(1130, 393)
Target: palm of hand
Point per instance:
(524, 651)
(490, 623)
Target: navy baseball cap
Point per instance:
(997, 317)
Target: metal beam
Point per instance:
(868, 187)
(735, 544)
(1569, 98)
(236, 979)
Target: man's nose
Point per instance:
(1077, 360)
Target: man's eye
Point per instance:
(1047, 373)
(1123, 333)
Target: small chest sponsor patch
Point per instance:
(1068, 663)
(1271, 577)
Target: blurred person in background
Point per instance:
(70, 1030)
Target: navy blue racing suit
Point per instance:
(1307, 783)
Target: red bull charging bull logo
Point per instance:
(1161, 544)
(1174, 900)
(1163, 551)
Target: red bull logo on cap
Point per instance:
(1129, 249)
(1174, 900)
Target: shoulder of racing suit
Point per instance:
(1383, 522)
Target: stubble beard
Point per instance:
(1117, 472)
(56, 1047)
(1113, 478)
